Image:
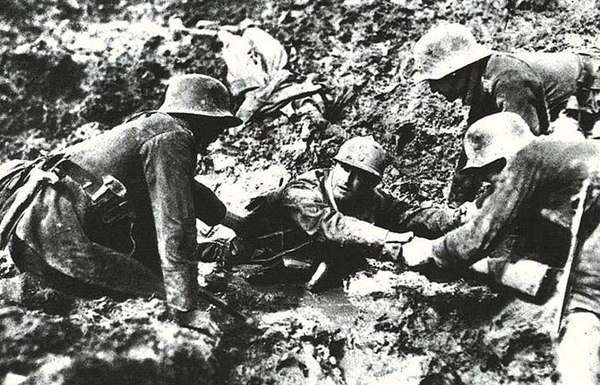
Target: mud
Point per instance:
(73, 68)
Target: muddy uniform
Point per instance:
(535, 86)
(154, 156)
(537, 186)
(303, 222)
(539, 183)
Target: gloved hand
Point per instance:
(418, 252)
(198, 320)
(392, 248)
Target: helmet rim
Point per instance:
(451, 65)
(362, 167)
(494, 137)
(445, 49)
(363, 153)
(200, 95)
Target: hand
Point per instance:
(198, 320)
(465, 212)
(392, 248)
(417, 252)
(391, 251)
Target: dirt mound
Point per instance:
(103, 341)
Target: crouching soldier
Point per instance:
(328, 219)
(535, 85)
(535, 181)
(118, 212)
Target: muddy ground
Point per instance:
(72, 68)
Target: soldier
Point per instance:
(74, 228)
(536, 86)
(535, 180)
(337, 216)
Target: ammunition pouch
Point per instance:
(19, 184)
(110, 202)
(109, 217)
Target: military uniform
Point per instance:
(535, 187)
(302, 221)
(536, 86)
(154, 156)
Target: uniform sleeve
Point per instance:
(207, 206)
(426, 222)
(472, 241)
(169, 160)
(307, 208)
(514, 90)
(430, 222)
(524, 95)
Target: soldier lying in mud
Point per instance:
(535, 181)
(328, 220)
(117, 212)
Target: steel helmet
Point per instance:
(364, 153)
(198, 95)
(445, 49)
(494, 137)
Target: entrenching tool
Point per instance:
(563, 285)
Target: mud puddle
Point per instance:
(386, 326)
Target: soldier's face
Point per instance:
(208, 130)
(451, 86)
(348, 182)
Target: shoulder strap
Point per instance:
(144, 114)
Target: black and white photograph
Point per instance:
(299, 192)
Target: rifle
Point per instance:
(563, 285)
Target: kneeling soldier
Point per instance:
(68, 218)
(537, 181)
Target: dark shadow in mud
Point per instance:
(245, 289)
(482, 297)
(274, 291)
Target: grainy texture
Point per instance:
(68, 63)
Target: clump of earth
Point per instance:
(73, 68)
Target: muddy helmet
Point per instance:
(445, 49)
(198, 95)
(494, 137)
(364, 153)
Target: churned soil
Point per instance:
(73, 68)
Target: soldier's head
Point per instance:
(443, 57)
(203, 102)
(358, 168)
(493, 140)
